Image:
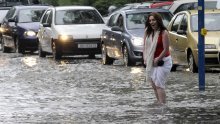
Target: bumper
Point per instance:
(29, 44)
(80, 46)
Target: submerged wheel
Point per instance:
(106, 60)
(126, 58)
(41, 53)
(192, 65)
(56, 52)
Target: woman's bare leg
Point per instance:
(161, 95)
(155, 90)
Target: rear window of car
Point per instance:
(137, 20)
(69, 17)
(211, 22)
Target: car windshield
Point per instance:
(30, 15)
(68, 17)
(211, 22)
(137, 20)
(2, 15)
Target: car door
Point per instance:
(117, 37)
(173, 36)
(182, 40)
(43, 33)
(107, 34)
(9, 28)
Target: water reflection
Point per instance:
(135, 70)
(29, 61)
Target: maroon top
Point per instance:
(159, 47)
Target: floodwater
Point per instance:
(79, 90)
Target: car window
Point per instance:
(49, 20)
(112, 21)
(187, 6)
(211, 22)
(120, 22)
(137, 20)
(44, 20)
(194, 5)
(66, 17)
(10, 13)
(30, 15)
(183, 25)
(176, 23)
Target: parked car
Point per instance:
(3, 11)
(70, 30)
(183, 5)
(20, 27)
(183, 35)
(123, 39)
(162, 5)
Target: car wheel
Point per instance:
(41, 53)
(56, 52)
(174, 66)
(18, 47)
(126, 58)
(4, 48)
(106, 60)
(192, 65)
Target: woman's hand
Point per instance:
(155, 62)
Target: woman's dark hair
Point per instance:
(159, 20)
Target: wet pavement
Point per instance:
(79, 90)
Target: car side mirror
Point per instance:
(182, 32)
(46, 25)
(11, 20)
(116, 28)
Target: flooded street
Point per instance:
(79, 90)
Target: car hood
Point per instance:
(81, 31)
(210, 38)
(34, 26)
(137, 32)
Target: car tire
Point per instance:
(56, 52)
(192, 65)
(174, 66)
(18, 47)
(126, 57)
(106, 60)
(4, 48)
(41, 53)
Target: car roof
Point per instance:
(192, 12)
(73, 7)
(30, 7)
(145, 10)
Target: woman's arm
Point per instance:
(144, 47)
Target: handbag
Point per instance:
(160, 63)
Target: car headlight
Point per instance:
(137, 41)
(30, 33)
(2, 29)
(210, 46)
(65, 37)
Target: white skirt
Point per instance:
(159, 74)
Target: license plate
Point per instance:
(87, 45)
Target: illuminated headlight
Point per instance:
(210, 46)
(65, 37)
(137, 41)
(2, 29)
(30, 33)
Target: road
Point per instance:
(83, 91)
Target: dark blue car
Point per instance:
(20, 26)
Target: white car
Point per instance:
(73, 30)
(183, 5)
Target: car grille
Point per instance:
(87, 40)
